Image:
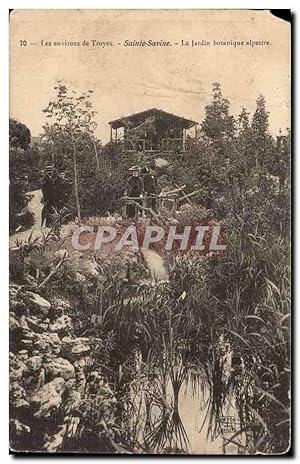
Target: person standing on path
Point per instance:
(150, 187)
(135, 190)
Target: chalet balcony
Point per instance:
(166, 145)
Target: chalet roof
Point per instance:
(137, 117)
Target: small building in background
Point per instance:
(154, 131)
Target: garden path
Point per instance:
(155, 264)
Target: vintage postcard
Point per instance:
(150, 232)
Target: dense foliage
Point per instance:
(23, 168)
(220, 322)
(19, 135)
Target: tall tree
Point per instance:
(71, 129)
(243, 121)
(218, 124)
(262, 142)
(260, 121)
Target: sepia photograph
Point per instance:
(150, 232)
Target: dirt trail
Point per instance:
(155, 264)
(35, 206)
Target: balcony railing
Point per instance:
(166, 145)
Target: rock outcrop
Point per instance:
(47, 364)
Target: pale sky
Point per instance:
(126, 80)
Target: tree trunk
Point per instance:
(96, 156)
(76, 179)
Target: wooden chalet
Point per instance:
(153, 130)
